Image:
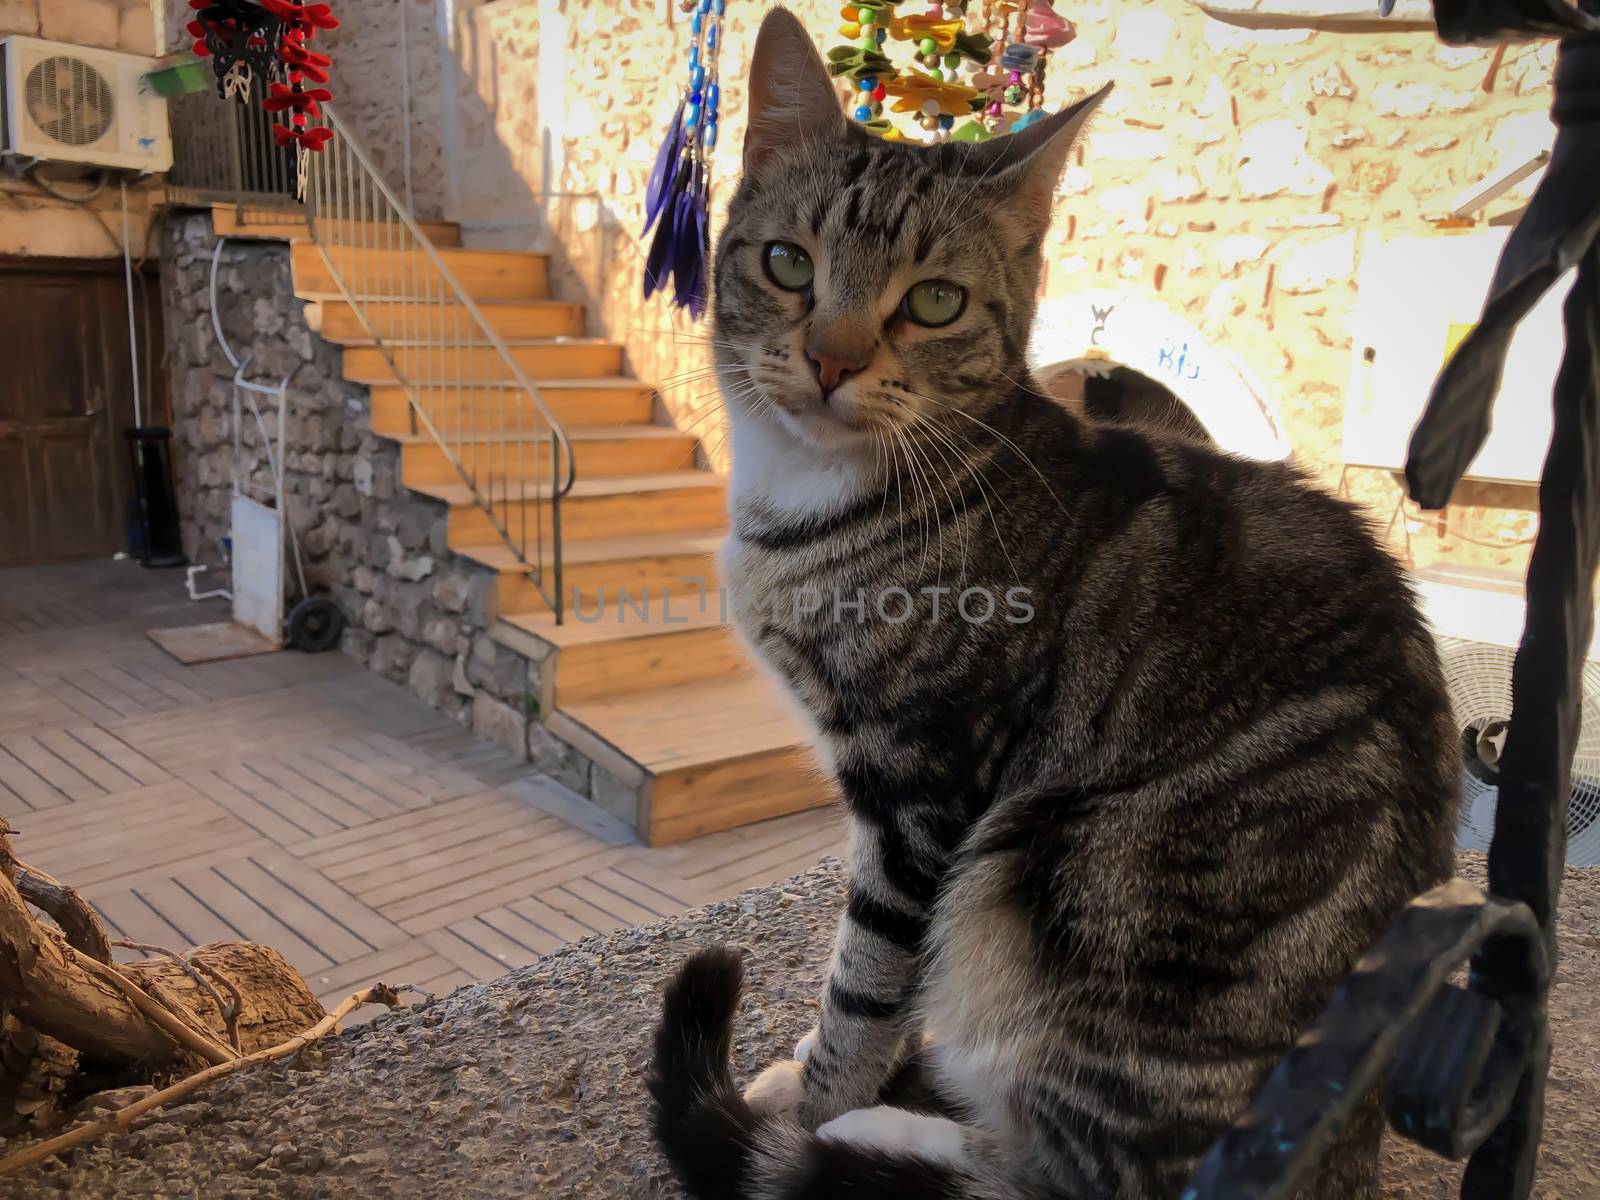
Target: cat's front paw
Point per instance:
(778, 1091)
(802, 1051)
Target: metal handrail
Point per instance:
(228, 154)
(444, 354)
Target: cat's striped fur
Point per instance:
(1109, 859)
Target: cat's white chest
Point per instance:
(785, 475)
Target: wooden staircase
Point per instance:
(658, 695)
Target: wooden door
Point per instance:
(66, 395)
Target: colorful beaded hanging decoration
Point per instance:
(932, 94)
(677, 200)
(946, 42)
(1024, 34)
(266, 41)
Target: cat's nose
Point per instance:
(833, 368)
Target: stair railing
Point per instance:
(229, 154)
(465, 388)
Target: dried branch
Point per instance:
(86, 933)
(169, 1019)
(230, 1012)
(121, 1119)
(69, 996)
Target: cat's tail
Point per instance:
(721, 1150)
(701, 1121)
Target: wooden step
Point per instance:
(699, 757)
(513, 320)
(600, 570)
(485, 274)
(614, 401)
(598, 449)
(268, 224)
(564, 358)
(628, 504)
(616, 647)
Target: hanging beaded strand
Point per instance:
(867, 22)
(1043, 30)
(705, 94)
(1026, 33)
(1001, 82)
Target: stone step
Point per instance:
(598, 571)
(338, 322)
(617, 648)
(667, 501)
(694, 758)
(563, 358)
(600, 450)
(388, 274)
(266, 224)
(608, 401)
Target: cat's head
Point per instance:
(864, 284)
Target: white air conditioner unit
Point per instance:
(74, 104)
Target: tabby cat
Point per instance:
(1141, 744)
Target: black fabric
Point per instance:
(1559, 232)
(1561, 224)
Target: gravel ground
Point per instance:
(530, 1086)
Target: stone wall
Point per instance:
(390, 85)
(128, 25)
(1227, 177)
(33, 223)
(417, 612)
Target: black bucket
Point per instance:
(154, 536)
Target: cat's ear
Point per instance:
(1030, 161)
(792, 99)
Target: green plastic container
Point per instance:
(180, 77)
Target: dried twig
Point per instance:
(86, 933)
(378, 993)
(230, 1012)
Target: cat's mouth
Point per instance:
(827, 426)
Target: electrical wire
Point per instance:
(30, 173)
(133, 331)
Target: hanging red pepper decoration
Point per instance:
(265, 40)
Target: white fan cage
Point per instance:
(1478, 675)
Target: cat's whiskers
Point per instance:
(900, 523)
(921, 421)
(744, 390)
(763, 405)
(930, 473)
(685, 379)
(684, 337)
(941, 439)
(958, 513)
(992, 431)
(985, 488)
(917, 486)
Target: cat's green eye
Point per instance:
(935, 302)
(788, 266)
